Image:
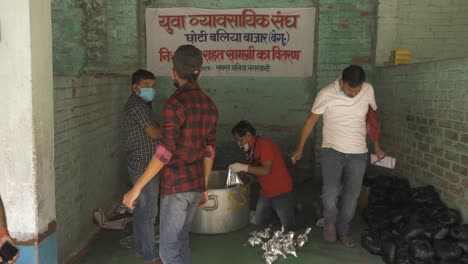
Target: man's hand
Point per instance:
(379, 152)
(7, 238)
(238, 167)
(130, 197)
(204, 199)
(296, 155)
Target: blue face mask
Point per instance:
(343, 93)
(147, 94)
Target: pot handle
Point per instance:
(211, 197)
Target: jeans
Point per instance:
(177, 211)
(144, 217)
(282, 205)
(341, 174)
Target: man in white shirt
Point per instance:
(344, 105)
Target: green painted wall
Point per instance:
(431, 29)
(277, 107)
(424, 113)
(97, 43)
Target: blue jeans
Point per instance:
(144, 217)
(282, 205)
(177, 211)
(341, 174)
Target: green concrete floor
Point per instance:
(229, 249)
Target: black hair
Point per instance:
(242, 128)
(141, 75)
(187, 62)
(354, 75)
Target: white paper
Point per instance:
(387, 162)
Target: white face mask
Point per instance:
(244, 147)
(343, 93)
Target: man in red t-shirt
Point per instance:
(263, 159)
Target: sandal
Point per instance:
(347, 240)
(329, 232)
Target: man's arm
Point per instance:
(144, 117)
(210, 153)
(207, 167)
(305, 133)
(263, 170)
(154, 132)
(378, 151)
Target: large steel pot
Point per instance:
(227, 209)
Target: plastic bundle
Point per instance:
(447, 250)
(278, 244)
(372, 243)
(459, 232)
(408, 226)
(422, 249)
(424, 195)
(448, 217)
(389, 248)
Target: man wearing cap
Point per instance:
(184, 155)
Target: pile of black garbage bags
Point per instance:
(411, 225)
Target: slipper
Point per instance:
(329, 232)
(347, 240)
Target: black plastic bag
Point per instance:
(377, 198)
(400, 192)
(383, 182)
(372, 243)
(424, 195)
(459, 232)
(380, 224)
(437, 232)
(447, 250)
(448, 217)
(403, 250)
(422, 249)
(389, 251)
(412, 230)
(401, 214)
(463, 259)
(463, 245)
(410, 260)
(371, 213)
(433, 209)
(401, 184)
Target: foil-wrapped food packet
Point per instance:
(302, 239)
(233, 178)
(265, 234)
(269, 258)
(289, 249)
(254, 241)
(278, 243)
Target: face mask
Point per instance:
(343, 93)
(147, 94)
(244, 147)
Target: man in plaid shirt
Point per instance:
(140, 134)
(184, 155)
